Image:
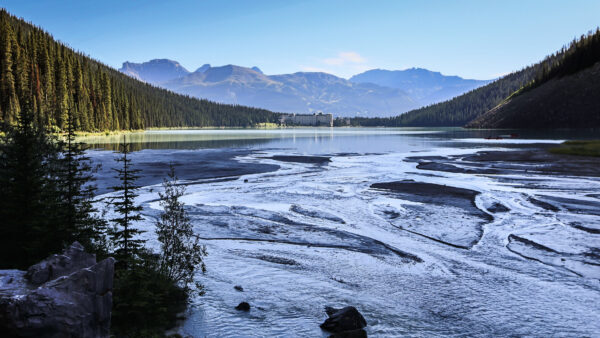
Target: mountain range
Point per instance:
(374, 93)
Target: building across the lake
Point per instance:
(315, 119)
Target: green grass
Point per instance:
(581, 148)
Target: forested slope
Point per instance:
(49, 78)
(563, 94)
(461, 110)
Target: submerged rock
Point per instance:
(343, 322)
(497, 208)
(243, 306)
(302, 159)
(74, 300)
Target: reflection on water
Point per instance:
(317, 140)
(323, 140)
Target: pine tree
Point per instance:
(77, 214)
(181, 252)
(9, 105)
(127, 247)
(27, 192)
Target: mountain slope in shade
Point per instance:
(423, 85)
(293, 93)
(563, 94)
(155, 71)
(571, 101)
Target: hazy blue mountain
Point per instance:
(202, 68)
(298, 92)
(423, 85)
(376, 92)
(295, 93)
(155, 71)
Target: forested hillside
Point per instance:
(462, 109)
(49, 78)
(565, 93)
(579, 55)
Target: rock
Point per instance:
(342, 320)
(69, 304)
(243, 306)
(239, 288)
(72, 259)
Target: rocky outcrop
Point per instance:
(346, 322)
(67, 295)
(72, 259)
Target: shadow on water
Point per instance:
(179, 144)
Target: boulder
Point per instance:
(343, 320)
(75, 304)
(243, 306)
(72, 259)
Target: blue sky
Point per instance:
(473, 39)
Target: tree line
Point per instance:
(578, 55)
(39, 72)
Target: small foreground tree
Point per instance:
(123, 235)
(181, 254)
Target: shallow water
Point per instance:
(301, 236)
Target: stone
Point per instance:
(243, 306)
(239, 288)
(75, 304)
(346, 319)
(72, 259)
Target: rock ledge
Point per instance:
(66, 295)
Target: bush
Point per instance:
(145, 303)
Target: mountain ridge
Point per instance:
(299, 92)
(423, 85)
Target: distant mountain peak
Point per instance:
(377, 92)
(424, 85)
(155, 71)
(203, 68)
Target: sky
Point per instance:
(472, 39)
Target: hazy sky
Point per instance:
(474, 39)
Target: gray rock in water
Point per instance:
(343, 320)
(75, 304)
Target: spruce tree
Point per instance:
(77, 214)
(127, 247)
(28, 232)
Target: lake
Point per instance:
(427, 231)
